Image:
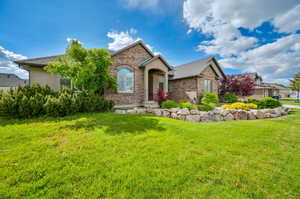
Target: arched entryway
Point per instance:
(156, 80)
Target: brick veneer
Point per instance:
(130, 58)
(179, 87)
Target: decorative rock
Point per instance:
(119, 111)
(251, 115)
(193, 118)
(240, 115)
(174, 110)
(174, 115)
(259, 114)
(157, 112)
(183, 111)
(195, 112)
(141, 111)
(131, 111)
(165, 113)
(205, 117)
(228, 117)
(181, 117)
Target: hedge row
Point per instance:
(34, 101)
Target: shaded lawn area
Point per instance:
(132, 156)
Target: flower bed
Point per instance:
(218, 114)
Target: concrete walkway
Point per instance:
(291, 106)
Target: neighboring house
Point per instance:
(8, 81)
(263, 89)
(139, 74)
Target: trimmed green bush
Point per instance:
(265, 102)
(230, 98)
(210, 98)
(34, 101)
(188, 105)
(269, 102)
(206, 107)
(169, 104)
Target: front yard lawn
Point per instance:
(290, 103)
(132, 156)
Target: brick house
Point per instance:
(139, 74)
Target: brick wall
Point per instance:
(130, 58)
(179, 87)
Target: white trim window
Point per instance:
(207, 86)
(125, 79)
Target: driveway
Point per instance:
(291, 106)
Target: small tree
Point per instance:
(161, 96)
(87, 69)
(295, 85)
(241, 85)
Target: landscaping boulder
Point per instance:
(204, 116)
(228, 117)
(240, 115)
(183, 111)
(165, 113)
(141, 111)
(195, 112)
(251, 115)
(193, 118)
(131, 111)
(119, 111)
(157, 112)
(174, 110)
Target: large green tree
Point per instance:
(295, 85)
(87, 69)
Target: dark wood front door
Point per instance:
(150, 87)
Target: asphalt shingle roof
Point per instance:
(191, 69)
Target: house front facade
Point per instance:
(139, 75)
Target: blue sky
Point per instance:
(246, 36)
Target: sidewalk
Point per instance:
(291, 106)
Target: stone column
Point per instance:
(166, 81)
(146, 72)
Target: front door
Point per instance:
(150, 87)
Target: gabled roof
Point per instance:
(194, 68)
(40, 61)
(11, 80)
(43, 61)
(148, 61)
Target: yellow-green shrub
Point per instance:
(239, 105)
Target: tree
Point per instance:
(295, 84)
(87, 69)
(241, 85)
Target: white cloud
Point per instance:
(221, 21)
(275, 61)
(8, 66)
(140, 3)
(69, 39)
(122, 39)
(289, 21)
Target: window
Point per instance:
(161, 85)
(65, 83)
(207, 86)
(125, 80)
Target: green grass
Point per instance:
(290, 103)
(134, 156)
